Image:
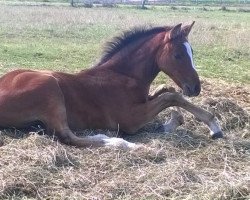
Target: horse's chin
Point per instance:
(189, 93)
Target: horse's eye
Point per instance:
(177, 56)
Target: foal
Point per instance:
(113, 93)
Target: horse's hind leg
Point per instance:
(54, 117)
(58, 125)
(55, 121)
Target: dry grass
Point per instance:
(182, 165)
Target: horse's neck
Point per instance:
(137, 61)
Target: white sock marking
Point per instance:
(120, 143)
(98, 137)
(115, 142)
(214, 127)
(189, 51)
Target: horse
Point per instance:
(113, 93)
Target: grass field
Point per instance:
(71, 39)
(183, 165)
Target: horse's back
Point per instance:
(23, 79)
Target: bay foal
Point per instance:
(113, 93)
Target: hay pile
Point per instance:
(183, 165)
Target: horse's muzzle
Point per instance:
(191, 90)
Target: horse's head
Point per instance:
(176, 60)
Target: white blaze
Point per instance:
(189, 52)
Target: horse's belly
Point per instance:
(93, 118)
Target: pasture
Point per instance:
(185, 164)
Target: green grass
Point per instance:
(70, 39)
(223, 63)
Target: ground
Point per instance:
(186, 164)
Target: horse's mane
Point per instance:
(128, 37)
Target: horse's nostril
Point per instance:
(193, 90)
(187, 90)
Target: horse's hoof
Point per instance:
(217, 135)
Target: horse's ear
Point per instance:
(186, 29)
(173, 33)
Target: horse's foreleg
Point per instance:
(144, 113)
(201, 114)
(176, 115)
(175, 121)
(160, 90)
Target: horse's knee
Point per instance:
(173, 99)
(161, 90)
